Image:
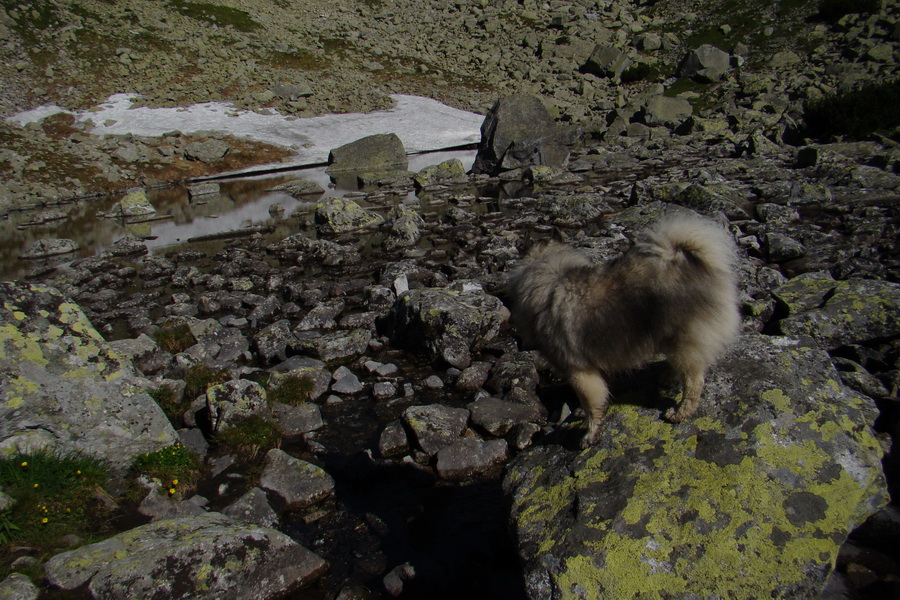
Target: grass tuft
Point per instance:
(250, 436)
(176, 467)
(292, 390)
(175, 338)
(200, 377)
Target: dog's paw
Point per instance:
(678, 415)
(590, 438)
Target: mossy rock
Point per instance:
(749, 500)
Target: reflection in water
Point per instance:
(241, 203)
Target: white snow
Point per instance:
(422, 124)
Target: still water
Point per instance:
(243, 202)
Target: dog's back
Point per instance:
(674, 288)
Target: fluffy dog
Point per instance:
(674, 292)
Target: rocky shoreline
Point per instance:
(416, 425)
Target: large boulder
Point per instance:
(707, 63)
(519, 132)
(447, 323)
(607, 61)
(340, 215)
(64, 388)
(749, 500)
(382, 151)
(208, 556)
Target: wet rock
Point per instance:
(371, 153)
(18, 587)
(780, 457)
(296, 482)
(50, 247)
(341, 215)
(849, 312)
(133, 207)
(198, 190)
(435, 426)
(231, 402)
(334, 346)
(252, 507)
(199, 557)
(298, 187)
(65, 388)
(707, 63)
(393, 440)
(447, 323)
(405, 228)
(497, 417)
(128, 245)
(448, 172)
(519, 132)
(384, 390)
(469, 456)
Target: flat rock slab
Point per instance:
(435, 426)
(194, 558)
(469, 456)
(751, 499)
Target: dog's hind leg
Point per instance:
(693, 380)
(593, 393)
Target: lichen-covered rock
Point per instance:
(382, 151)
(48, 247)
(337, 345)
(209, 556)
(749, 500)
(449, 171)
(298, 187)
(18, 587)
(435, 426)
(447, 323)
(234, 400)
(134, 206)
(274, 341)
(837, 313)
(296, 482)
(340, 215)
(63, 387)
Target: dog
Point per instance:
(673, 292)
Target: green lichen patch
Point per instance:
(749, 500)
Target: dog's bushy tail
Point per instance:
(687, 240)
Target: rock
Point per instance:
(209, 151)
(298, 187)
(751, 499)
(143, 352)
(65, 388)
(707, 63)
(198, 190)
(405, 228)
(663, 110)
(50, 247)
(292, 91)
(315, 374)
(322, 316)
(469, 456)
(296, 482)
(497, 417)
(128, 245)
(448, 324)
(198, 557)
(448, 172)
(838, 313)
(393, 440)
(273, 342)
(133, 207)
(18, 587)
(341, 215)
(346, 382)
(252, 507)
(435, 426)
(607, 61)
(782, 248)
(334, 346)
(519, 132)
(372, 153)
(473, 377)
(297, 419)
(233, 401)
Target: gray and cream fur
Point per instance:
(674, 292)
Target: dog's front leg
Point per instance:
(593, 393)
(690, 397)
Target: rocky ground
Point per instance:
(391, 310)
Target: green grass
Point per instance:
(176, 467)
(174, 338)
(55, 495)
(292, 389)
(170, 402)
(200, 377)
(250, 436)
